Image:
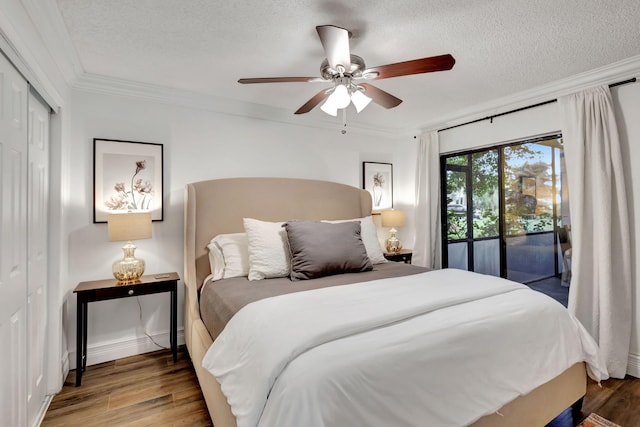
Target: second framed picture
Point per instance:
(127, 176)
(377, 179)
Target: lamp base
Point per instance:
(129, 268)
(393, 244)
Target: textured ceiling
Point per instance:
(501, 47)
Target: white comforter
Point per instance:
(439, 348)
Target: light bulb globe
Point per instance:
(360, 100)
(329, 106)
(341, 96)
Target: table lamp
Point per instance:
(393, 218)
(129, 226)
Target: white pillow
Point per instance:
(234, 249)
(216, 261)
(369, 236)
(268, 251)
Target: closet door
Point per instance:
(13, 245)
(37, 274)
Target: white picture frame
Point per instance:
(377, 179)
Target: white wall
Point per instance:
(198, 145)
(545, 120)
(504, 129)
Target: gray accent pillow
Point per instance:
(322, 249)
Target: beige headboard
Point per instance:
(217, 206)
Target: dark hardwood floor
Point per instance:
(617, 400)
(143, 390)
(149, 389)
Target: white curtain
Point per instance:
(600, 292)
(426, 247)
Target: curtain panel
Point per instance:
(600, 290)
(426, 247)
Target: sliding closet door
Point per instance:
(13, 245)
(38, 200)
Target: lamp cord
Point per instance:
(144, 329)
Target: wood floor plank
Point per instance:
(67, 410)
(599, 393)
(195, 419)
(167, 417)
(133, 413)
(623, 405)
(150, 389)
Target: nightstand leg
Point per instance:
(85, 322)
(174, 323)
(80, 339)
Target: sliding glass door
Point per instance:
(472, 211)
(533, 203)
(502, 208)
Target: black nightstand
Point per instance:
(403, 256)
(101, 290)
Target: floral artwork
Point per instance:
(377, 178)
(378, 188)
(127, 177)
(137, 196)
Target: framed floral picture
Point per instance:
(127, 176)
(377, 179)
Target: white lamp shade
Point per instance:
(341, 96)
(393, 218)
(129, 226)
(360, 100)
(329, 106)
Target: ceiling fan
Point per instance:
(348, 71)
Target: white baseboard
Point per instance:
(65, 366)
(107, 351)
(42, 411)
(633, 365)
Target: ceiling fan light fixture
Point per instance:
(360, 100)
(345, 70)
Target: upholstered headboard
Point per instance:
(217, 206)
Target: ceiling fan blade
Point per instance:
(335, 41)
(278, 80)
(379, 96)
(313, 102)
(416, 66)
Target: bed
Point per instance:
(218, 207)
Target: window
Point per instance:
(503, 208)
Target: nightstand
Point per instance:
(403, 256)
(101, 290)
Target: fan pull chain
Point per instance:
(344, 121)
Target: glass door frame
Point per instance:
(468, 170)
(444, 168)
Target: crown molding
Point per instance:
(612, 73)
(47, 19)
(24, 57)
(105, 85)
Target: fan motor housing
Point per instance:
(357, 66)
